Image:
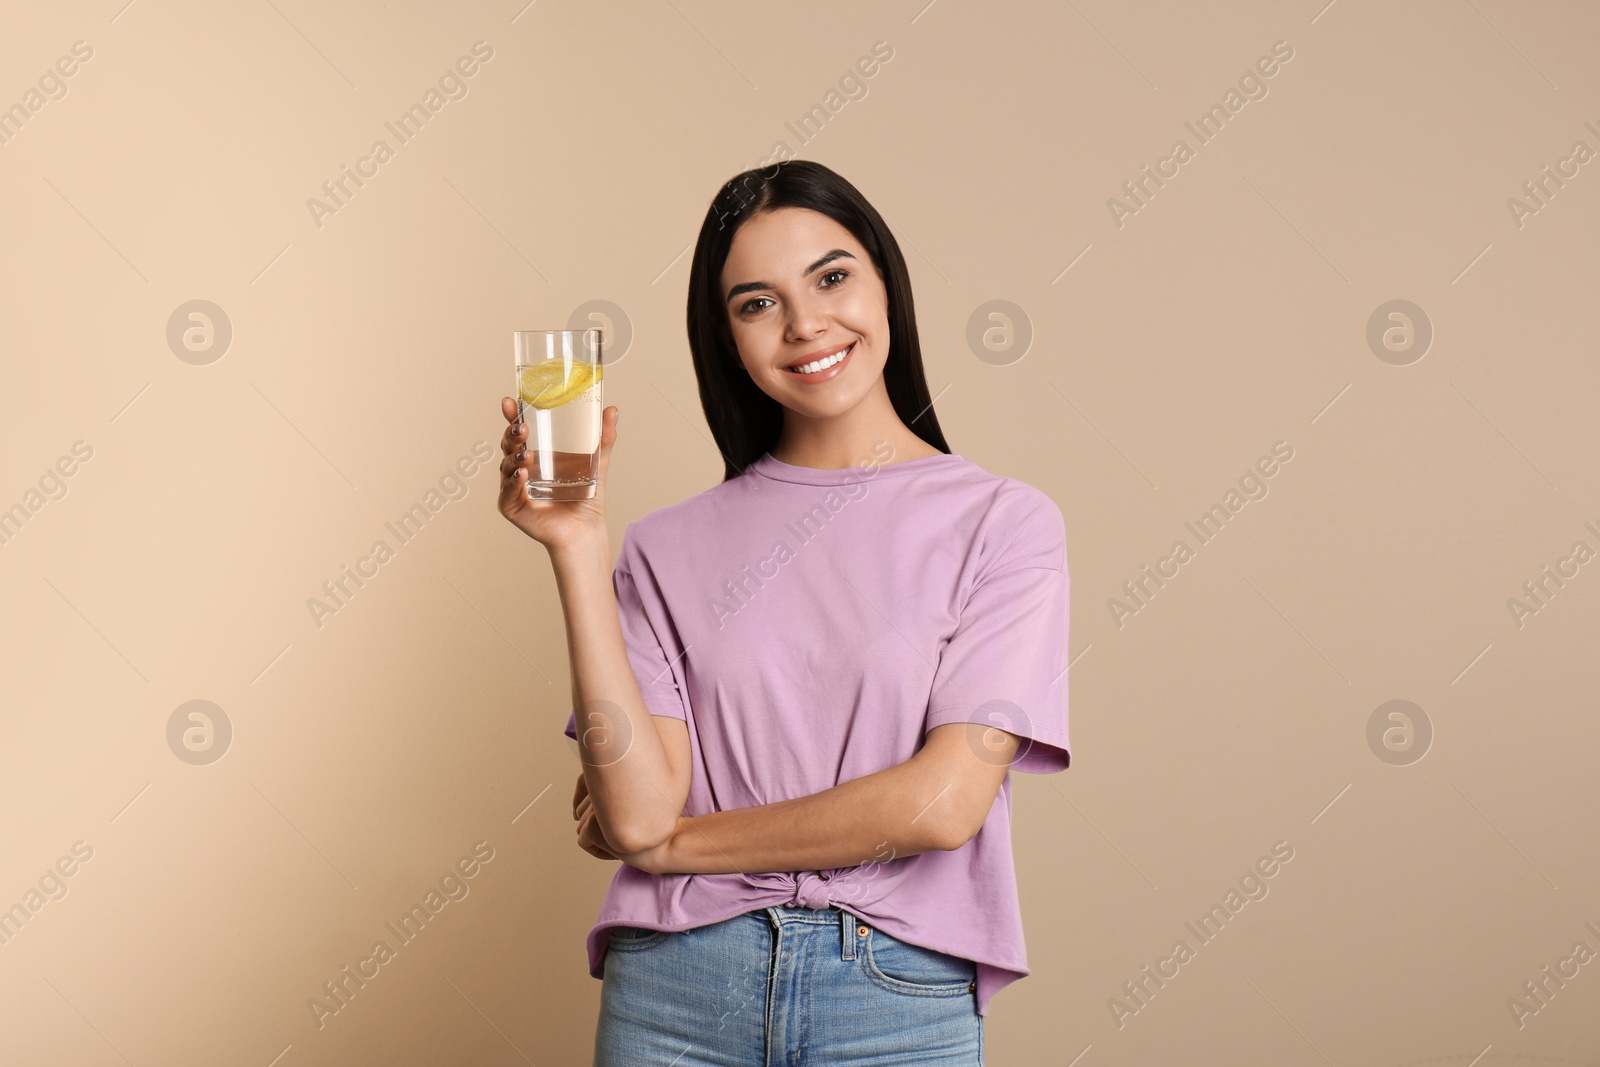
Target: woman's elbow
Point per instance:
(638, 837)
(954, 833)
(964, 819)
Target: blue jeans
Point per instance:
(781, 986)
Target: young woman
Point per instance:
(798, 693)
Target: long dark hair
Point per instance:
(745, 422)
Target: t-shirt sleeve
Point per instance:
(1006, 662)
(654, 667)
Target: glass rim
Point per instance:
(532, 347)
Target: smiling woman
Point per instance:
(795, 286)
(817, 800)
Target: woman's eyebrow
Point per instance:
(750, 287)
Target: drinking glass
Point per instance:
(559, 399)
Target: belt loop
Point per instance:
(847, 935)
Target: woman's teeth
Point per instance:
(821, 364)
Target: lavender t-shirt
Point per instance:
(810, 626)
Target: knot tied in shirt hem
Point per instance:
(811, 891)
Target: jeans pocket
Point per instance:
(633, 938)
(912, 969)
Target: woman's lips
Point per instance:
(827, 372)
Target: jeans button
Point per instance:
(861, 931)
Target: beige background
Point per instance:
(1167, 355)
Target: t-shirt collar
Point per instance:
(771, 467)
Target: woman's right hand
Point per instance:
(556, 524)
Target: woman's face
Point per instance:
(802, 290)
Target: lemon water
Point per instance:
(561, 404)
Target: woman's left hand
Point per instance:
(593, 840)
(590, 837)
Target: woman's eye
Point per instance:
(750, 305)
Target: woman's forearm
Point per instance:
(624, 763)
(899, 811)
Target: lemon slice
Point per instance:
(551, 383)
